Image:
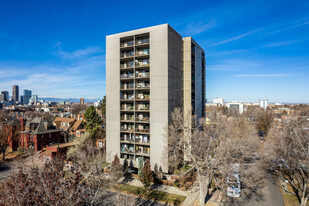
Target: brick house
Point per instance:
(64, 123)
(52, 151)
(39, 133)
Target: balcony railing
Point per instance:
(128, 108)
(142, 119)
(126, 76)
(144, 97)
(142, 130)
(126, 55)
(130, 118)
(142, 41)
(142, 53)
(143, 108)
(126, 66)
(127, 44)
(142, 75)
(142, 139)
(127, 150)
(145, 86)
(127, 130)
(130, 86)
(128, 139)
(142, 64)
(127, 98)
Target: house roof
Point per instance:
(63, 145)
(69, 120)
(76, 125)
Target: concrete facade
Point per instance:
(194, 78)
(140, 106)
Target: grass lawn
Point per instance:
(291, 200)
(152, 194)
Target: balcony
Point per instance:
(141, 75)
(127, 107)
(126, 76)
(142, 86)
(142, 139)
(143, 97)
(127, 87)
(127, 55)
(142, 64)
(142, 118)
(127, 138)
(127, 129)
(127, 118)
(143, 108)
(126, 44)
(142, 52)
(142, 131)
(142, 41)
(127, 65)
(126, 148)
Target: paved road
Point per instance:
(272, 195)
(5, 171)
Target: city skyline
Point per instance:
(253, 49)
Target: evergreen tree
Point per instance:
(102, 106)
(146, 176)
(93, 122)
(156, 175)
(116, 168)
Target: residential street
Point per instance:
(5, 171)
(272, 195)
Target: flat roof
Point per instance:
(63, 145)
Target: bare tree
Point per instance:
(77, 108)
(45, 186)
(263, 119)
(213, 149)
(289, 147)
(9, 132)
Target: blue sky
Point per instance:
(254, 49)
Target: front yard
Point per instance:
(151, 194)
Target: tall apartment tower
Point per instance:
(27, 96)
(82, 101)
(5, 96)
(144, 83)
(15, 93)
(193, 79)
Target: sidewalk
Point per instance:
(162, 188)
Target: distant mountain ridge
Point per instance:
(57, 99)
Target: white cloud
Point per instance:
(83, 77)
(232, 65)
(283, 43)
(266, 75)
(235, 38)
(194, 28)
(79, 53)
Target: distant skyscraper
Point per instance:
(33, 99)
(82, 101)
(27, 96)
(1, 97)
(15, 93)
(264, 103)
(5, 96)
(21, 99)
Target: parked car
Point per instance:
(233, 182)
